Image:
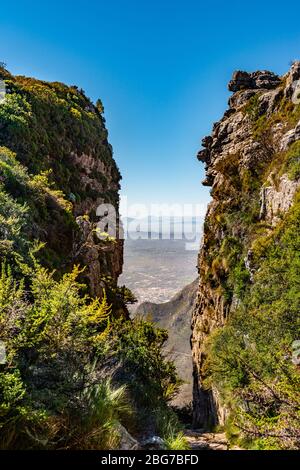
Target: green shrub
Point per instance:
(176, 442)
(51, 342)
(45, 122)
(54, 391)
(97, 427)
(292, 164)
(139, 345)
(250, 359)
(252, 108)
(170, 429)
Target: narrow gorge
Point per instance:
(79, 372)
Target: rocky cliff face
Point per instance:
(252, 165)
(57, 132)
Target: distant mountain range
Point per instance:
(167, 227)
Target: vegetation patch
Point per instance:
(251, 358)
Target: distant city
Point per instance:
(157, 266)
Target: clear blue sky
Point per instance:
(160, 67)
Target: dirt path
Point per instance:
(199, 440)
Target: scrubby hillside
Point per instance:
(247, 318)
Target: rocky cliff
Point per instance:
(59, 137)
(252, 165)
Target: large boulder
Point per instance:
(262, 79)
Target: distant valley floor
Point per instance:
(155, 270)
(162, 274)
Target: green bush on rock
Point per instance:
(250, 359)
(53, 389)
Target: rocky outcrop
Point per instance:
(100, 257)
(63, 134)
(275, 201)
(127, 442)
(257, 80)
(247, 168)
(290, 137)
(97, 179)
